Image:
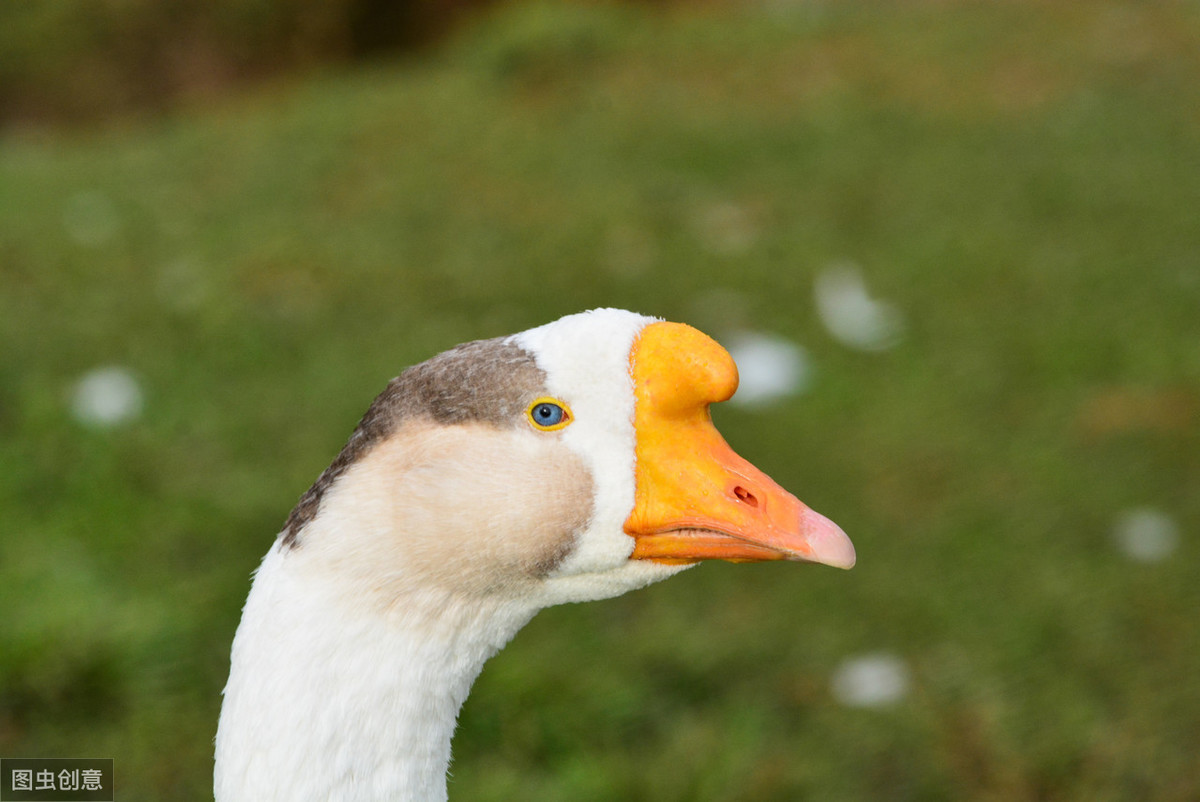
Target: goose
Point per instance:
(571, 462)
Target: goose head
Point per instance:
(571, 462)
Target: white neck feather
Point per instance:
(332, 698)
(358, 647)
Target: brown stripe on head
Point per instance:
(486, 381)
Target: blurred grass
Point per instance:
(1020, 179)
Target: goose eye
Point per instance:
(548, 414)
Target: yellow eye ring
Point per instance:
(548, 414)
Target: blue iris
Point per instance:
(547, 414)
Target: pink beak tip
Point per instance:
(829, 545)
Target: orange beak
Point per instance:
(695, 498)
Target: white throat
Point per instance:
(329, 699)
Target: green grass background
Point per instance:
(1022, 180)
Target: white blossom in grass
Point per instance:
(871, 680)
(851, 315)
(769, 368)
(90, 218)
(107, 397)
(1146, 535)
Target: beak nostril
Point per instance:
(745, 496)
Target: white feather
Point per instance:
(586, 359)
(357, 649)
